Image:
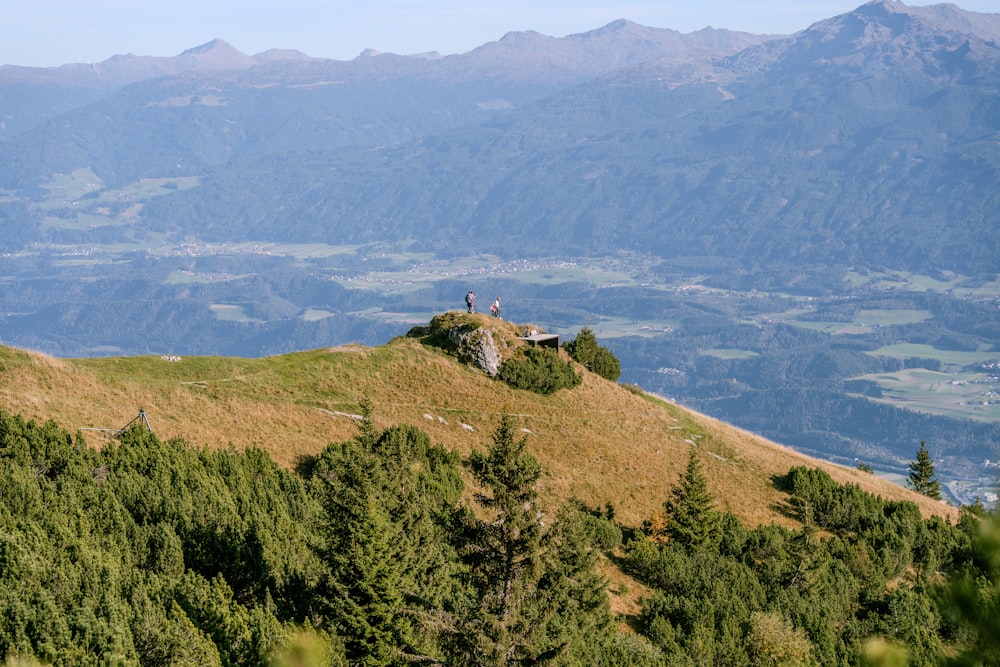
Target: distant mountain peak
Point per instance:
(620, 28)
(217, 54)
(518, 35)
(942, 39)
(889, 5)
(943, 17)
(615, 26)
(277, 55)
(210, 47)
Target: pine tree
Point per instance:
(971, 599)
(600, 360)
(504, 552)
(536, 596)
(922, 475)
(583, 347)
(693, 520)
(387, 498)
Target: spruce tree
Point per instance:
(504, 550)
(363, 593)
(971, 598)
(692, 518)
(537, 598)
(922, 475)
(390, 568)
(600, 360)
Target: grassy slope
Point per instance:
(597, 441)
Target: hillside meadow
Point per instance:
(601, 442)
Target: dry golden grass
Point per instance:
(598, 442)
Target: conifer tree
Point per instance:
(693, 520)
(363, 594)
(390, 565)
(922, 475)
(504, 550)
(367, 433)
(596, 358)
(971, 599)
(536, 596)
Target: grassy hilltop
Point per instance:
(599, 441)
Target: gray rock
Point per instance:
(478, 348)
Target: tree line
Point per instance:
(374, 552)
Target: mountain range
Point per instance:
(865, 140)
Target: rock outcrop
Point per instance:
(481, 341)
(478, 348)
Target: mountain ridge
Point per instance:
(52, 91)
(889, 31)
(599, 442)
(808, 112)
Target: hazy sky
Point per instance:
(54, 32)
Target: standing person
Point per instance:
(470, 302)
(495, 308)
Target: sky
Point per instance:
(45, 33)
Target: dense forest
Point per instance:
(374, 552)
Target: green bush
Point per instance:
(630, 650)
(539, 370)
(606, 534)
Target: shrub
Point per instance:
(539, 370)
(606, 535)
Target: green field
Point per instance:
(905, 280)
(64, 188)
(229, 312)
(957, 358)
(388, 284)
(149, 187)
(313, 314)
(888, 318)
(730, 353)
(80, 221)
(863, 323)
(312, 250)
(192, 277)
(422, 268)
(963, 395)
(832, 328)
(616, 327)
(408, 318)
(67, 188)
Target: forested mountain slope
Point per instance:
(868, 140)
(385, 547)
(212, 105)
